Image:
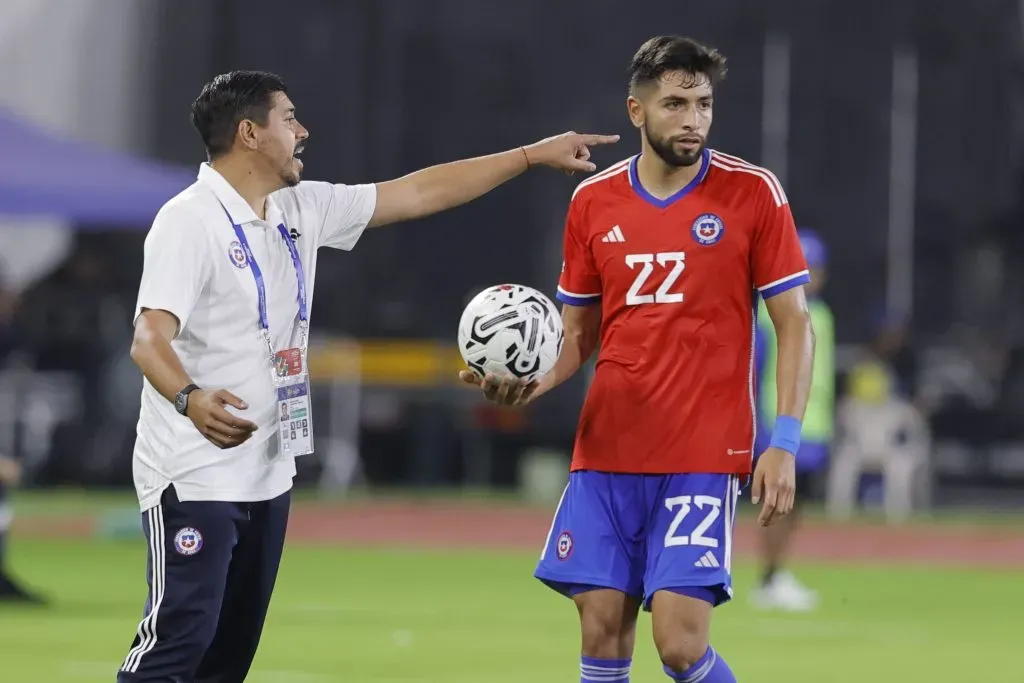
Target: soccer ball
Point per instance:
(510, 330)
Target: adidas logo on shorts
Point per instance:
(707, 560)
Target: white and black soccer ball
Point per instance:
(510, 330)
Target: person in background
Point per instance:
(778, 588)
(10, 471)
(10, 590)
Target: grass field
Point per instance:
(416, 614)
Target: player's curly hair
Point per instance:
(228, 100)
(664, 54)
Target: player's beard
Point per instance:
(665, 149)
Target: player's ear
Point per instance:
(636, 111)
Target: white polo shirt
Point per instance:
(189, 270)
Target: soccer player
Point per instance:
(220, 335)
(779, 588)
(665, 254)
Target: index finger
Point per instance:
(229, 419)
(232, 400)
(755, 487)
(598, 139)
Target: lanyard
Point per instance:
(261, 290)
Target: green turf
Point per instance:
(343, 615)
(62, 502)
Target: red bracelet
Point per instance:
(527, 157)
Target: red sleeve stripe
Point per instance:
(607, 173)
(728, 163)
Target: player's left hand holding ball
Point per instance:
(569, 152)
(775, 477)
(505, 391)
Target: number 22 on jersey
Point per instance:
(670, 265)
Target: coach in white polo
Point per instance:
(220, 332)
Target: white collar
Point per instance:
(238, 209)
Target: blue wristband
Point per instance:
(786, 434)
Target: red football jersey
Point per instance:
(677, 281)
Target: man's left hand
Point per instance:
(569, 152)
(775, 477)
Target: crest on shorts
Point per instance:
(188, 541)
(237, 255)
(564, 545)
(707, 229)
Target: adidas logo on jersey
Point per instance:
(614, 235)
(707, 560)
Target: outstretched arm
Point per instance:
(446, 186)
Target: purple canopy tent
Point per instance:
(42, 175)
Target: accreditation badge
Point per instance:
(295, 417)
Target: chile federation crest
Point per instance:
(707, 229)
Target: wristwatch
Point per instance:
(181, 398)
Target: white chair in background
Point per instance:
(880, 433)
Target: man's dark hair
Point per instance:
(228, 100)
(665, 54)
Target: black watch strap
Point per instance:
(181, 399)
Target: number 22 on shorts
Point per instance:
(704, 509)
